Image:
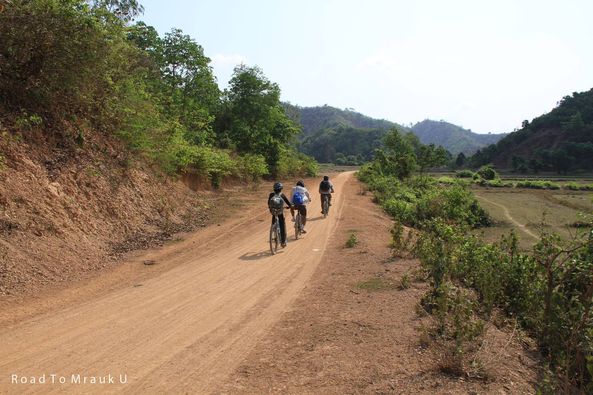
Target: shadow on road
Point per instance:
(256, 256)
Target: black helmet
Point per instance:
(325, 178)
(278, 187)
(301, 183)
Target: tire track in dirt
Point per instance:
(182, 331)
(508, 215)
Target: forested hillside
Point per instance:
(561, 140)
(348, 137)
(454, 138)
(313, 119)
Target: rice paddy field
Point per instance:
(531, 211)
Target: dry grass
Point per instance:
(552, 211)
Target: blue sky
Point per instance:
(485, 65)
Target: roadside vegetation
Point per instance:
(74, 68)
(547, 291)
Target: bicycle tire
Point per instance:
(274, 237)
(297, 226)
(325, 207)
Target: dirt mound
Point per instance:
(70, 206)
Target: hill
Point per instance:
(452, 137)
(561, 140)
(346, 136)
(313, 119)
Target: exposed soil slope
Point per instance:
(68, 209)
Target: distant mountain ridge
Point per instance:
(454, 138)
(326, 118)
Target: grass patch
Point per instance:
(352, 240)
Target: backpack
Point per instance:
(325, 186)
(276, 205)
(298, 198)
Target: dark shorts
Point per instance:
(302, 209)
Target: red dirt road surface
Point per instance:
(185, 330)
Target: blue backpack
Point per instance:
(298, 198)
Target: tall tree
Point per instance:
(253, 120)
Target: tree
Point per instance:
(252, 118)
(126, 10)
(460, 161)
(397, 157)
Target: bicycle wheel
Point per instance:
(274, 237)
(325, 207)
(297, 226)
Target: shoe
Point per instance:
(303, 231)
(283, 245)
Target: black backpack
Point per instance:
(325, 186)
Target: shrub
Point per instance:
(464, 174)
(487, 172)
(352, 240)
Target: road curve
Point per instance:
(185, 330)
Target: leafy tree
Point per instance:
(461, 159)
(252, 118)
(126, 10)
(398, 157)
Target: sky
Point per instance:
(481, 64)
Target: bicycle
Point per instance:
(298, 226)
(275, 236)
(325, 206)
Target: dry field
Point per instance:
(531, 211)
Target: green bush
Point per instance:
(464, 174)
(487, 172)
(573, 186)
(532, 184)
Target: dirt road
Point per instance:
(184, 330)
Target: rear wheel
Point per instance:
(325, 206)
(274, 237)
(297, 226)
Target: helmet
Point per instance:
(278, 187)
(301, 183)
(325, 178)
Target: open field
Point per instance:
(525, 210)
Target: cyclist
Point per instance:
(300, 199)
(276, 200)
(326, 188)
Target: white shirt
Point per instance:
(303, 191)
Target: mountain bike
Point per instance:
(275, 236)
(298, 225)
(325, 205)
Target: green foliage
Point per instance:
(251, 167)
(550, 291)
(28, 122)
(464, 174)
(536, 184)
(487, 172)
(252, 118)
(76, 62)
(563, 138)
(352, 240)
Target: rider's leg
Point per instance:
(303, 211)
(282, 229)
(329, 199)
